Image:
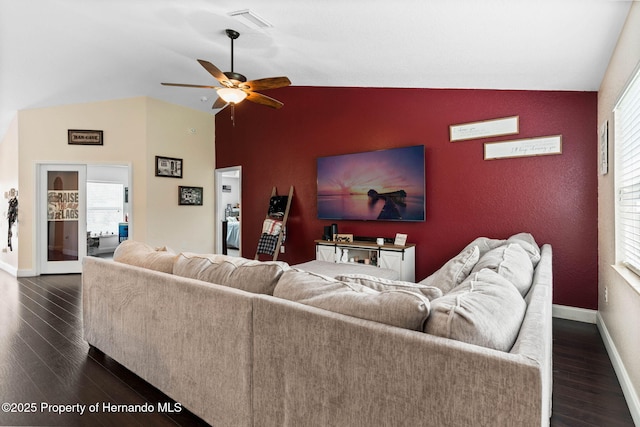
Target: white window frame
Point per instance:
(627, 180)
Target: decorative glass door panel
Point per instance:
(63, 218)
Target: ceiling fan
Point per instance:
(235, 87)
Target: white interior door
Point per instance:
(62, 236)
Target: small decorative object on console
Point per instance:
(343, 238)
(401, 239)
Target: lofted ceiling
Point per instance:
(55, 52)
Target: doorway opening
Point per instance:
(228, 210)
(108, 208)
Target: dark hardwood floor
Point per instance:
(45, 361)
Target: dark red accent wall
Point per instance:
(552, 197)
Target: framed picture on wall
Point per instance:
(190, 196)
(168, 167)
(84, 137)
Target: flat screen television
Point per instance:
(387, 185)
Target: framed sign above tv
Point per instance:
(387, 185)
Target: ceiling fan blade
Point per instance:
(258, 98)
(186, 85)
(220, 103)
(215, 72)
(268, 83)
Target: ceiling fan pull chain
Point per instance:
(233, 113)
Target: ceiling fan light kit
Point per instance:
(232, 95)
(235, 87)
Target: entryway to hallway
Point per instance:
(227, 217)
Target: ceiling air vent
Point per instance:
(250, 19)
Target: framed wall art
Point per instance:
(84, 137)
(604, 148)
(484, 129)
(168, 167)
(541, 146)
(189, 196)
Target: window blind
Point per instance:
(105, 203)
(627, 137)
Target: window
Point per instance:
(105, 205)
(627, 139)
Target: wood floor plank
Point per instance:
(44, 358)
(68, 360)
(586, 391)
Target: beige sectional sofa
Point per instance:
(246, 343)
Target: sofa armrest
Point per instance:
(190, 339)
(535, 340)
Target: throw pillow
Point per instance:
(400, 308)
(146, 256)
(511, 262)
(529, 244)
(484, 310)
(454, 271)
(380, 284)
(485, 244)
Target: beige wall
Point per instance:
(9, 180)
(621, 313)
(135, 130)
(187, 135)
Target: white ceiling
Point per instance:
(55, 52)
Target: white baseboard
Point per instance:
(27, 273)
(8, 268)
(15, 272)
(574, 313)
(625, 382)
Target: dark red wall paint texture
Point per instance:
(552, 197)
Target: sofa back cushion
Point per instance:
(380, 284)
(510, 261)
(143, 255)
(454, 271)
(485, 310)
(404, 309)
(259, 277)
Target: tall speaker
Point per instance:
(334, 231)
(326, 235)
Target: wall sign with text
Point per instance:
(542, 146)
(62, 205)
(84, 137)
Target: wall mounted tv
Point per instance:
(375, 185)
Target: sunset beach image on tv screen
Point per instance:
(375, 185)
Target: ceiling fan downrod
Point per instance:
(233, 34)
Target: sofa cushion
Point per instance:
(529, 244)
(333, 269)
(484, 310)
(380, 284)
(259, 277)
(454, 271)
(399, 308)
(143, 255)
(511, 262)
